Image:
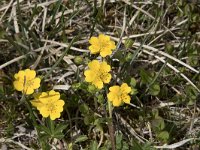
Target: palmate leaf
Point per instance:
(60, 128)
(45, 129)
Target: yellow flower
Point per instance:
(26, 81)
(102, 45)
(98, 73)
(49, 104)
(119, 94)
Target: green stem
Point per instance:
(110, 126)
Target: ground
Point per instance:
(157, 54)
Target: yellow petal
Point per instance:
(125, 88)
(112, 45)
(115, 89)
(94, 40)
(28, 90)
(36, 83)
(54, 96)
(126, 99)
(60, 103)
(30, 74)
(43, 95)
(111, 96)
(54, 115)
(104, 67)
(104, 38)
(44, 112)
(37, 103)
(94, 65)
(116, 102)
(98, 83)
(105, 52)
(106, 77)
(20, 75)
(18, 85)
(89, 75)
(44, 98)
(94, 49)
(59, 109)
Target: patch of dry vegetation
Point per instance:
(157, 53)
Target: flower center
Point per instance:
(29, 83)
(51, 107)
(103, 75)
(121, 95)
(103, 45)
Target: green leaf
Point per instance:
(136, 145)
(146, 77)
(155, 113)
(134, 91)
(129, 57)
(58, 136)
(128, 43)
(100, 99)
(45, 129)
(158, 124)
(81, 138)
(119, 55)
(84, 109)
(88, 119)
(93, 145)
(164, 135)
(60, 128)
(119, 141)
(133, 82)
(154, 89)
(44, 137)
(125, 146)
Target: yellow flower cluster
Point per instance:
(98, 72)
(48, 103)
